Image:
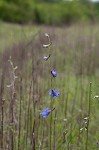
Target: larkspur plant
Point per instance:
(53, 93)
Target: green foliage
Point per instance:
(47, 13)
(59, 13)
(12, 12)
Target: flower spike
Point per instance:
(46, 45)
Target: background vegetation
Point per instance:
(48, 12)
(74, 54)
(25, 78)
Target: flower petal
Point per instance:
(53, 93)
(54, 73)
(46, 57)
(50, 93)
(45, 112)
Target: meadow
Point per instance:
(25, 79)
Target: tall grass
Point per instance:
(74, 122)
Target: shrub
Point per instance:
(13, 13)
(48, 13)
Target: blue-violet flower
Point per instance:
(54, 73)
(53, 93)
(45, 112)
(46, 57)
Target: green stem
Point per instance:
(51, 106)
(90, 92)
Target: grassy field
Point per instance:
(74, 123)
(13, 33)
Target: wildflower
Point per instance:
(46, 57)
(54, 73)
(46, 45)
(53, 93)
(45, 112)
(46, 34)
(86, 118)
(96, 96)
(81, 129)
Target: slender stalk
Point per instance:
(28, 114)
(54, 134)
(42, 141)
(80, 114)
(2, 109)
(51, 106)
(2, 123)
(74, 101)
(34, 105)
(66, 102)
(89, 108)
(51, 103)
(33, 131)
(12, 119)
(13, 98)
(25, 121)
(20, 113)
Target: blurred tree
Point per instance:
(11, 1)
(18, 1)
(84, 0)
(49, 0)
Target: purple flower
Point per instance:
(54, 73)
(45, 112)
(53, 93)
(46, 57)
